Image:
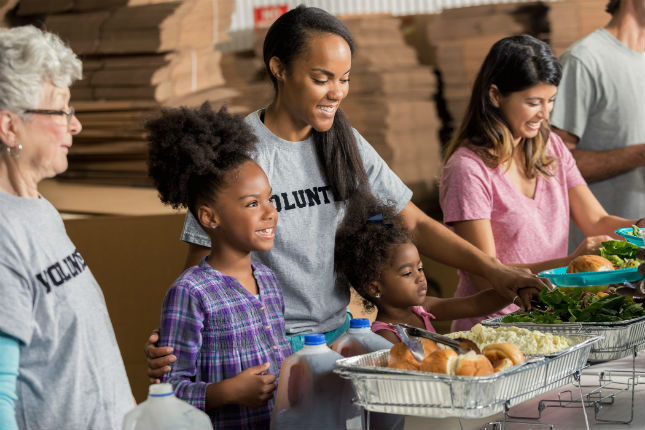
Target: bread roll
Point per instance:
(502, 365)
(429, 346)
(589, 263)
(472, 364)
(440, 361)
(401, 357)
(503, 355)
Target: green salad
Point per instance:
(622, 254)
(604, 306)
(636, 231)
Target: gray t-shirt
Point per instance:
(303, 254)
(71, 374)
(601, 100)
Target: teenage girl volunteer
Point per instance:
(223, 316)
(315, 161)
(509, 185)
(375, 255)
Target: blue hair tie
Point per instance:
(378, 219)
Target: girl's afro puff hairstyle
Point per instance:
(192, 149)
(363, 248)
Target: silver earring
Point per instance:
(213, 226)
(378, 296)
(15, 154)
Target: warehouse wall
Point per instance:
(243, 18)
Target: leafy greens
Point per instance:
(622, 254)
(579, 307)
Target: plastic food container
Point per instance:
(627, 234)
(561, 278)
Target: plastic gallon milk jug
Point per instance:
(360, 339)
(310, 394)
(163, 411)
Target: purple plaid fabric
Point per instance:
(217, 329)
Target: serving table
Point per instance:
(561, 408)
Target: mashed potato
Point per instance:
(528, 341)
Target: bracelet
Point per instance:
(638, 221)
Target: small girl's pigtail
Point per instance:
(363, 243)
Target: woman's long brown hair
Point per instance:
(513, 64)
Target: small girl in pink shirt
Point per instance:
(509, 185)
(375, 255)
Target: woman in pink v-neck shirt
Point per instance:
(509, 185)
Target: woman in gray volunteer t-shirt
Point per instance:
(58, 351)
(308, 56)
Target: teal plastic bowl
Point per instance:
(627, 234)
(561, 278)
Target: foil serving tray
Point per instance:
(620, 338)
(406, 392)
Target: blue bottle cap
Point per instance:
(314, 339)
(359, 323)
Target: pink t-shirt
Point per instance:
(425, 316)
(525, 230)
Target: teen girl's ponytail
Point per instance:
(336, 148)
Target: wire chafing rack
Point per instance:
(382, 389)
(620, 339)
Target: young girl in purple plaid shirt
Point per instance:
(224, 316)
(375, 255)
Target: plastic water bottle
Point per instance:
(163, 411)
(310, 395)
(360, 339)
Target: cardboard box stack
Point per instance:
(463, 37)
(460, 38)
(572, 20)
(140, 49)
(137, 55)
(245, 72)
(390, 100)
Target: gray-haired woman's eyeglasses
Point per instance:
(68, 114)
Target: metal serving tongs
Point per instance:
(414, 345)
(635, 290)
(460, 345)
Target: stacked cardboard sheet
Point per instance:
(134, 26)
(245, 72)
(138, 55)
(140, 49)
(572, 20)
(111, 148)
(390, 100)
(460, 39)
(154, 77)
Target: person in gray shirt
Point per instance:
(60, 365)
(600, 111)
(315, 163)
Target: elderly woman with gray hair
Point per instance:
(60, 364)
